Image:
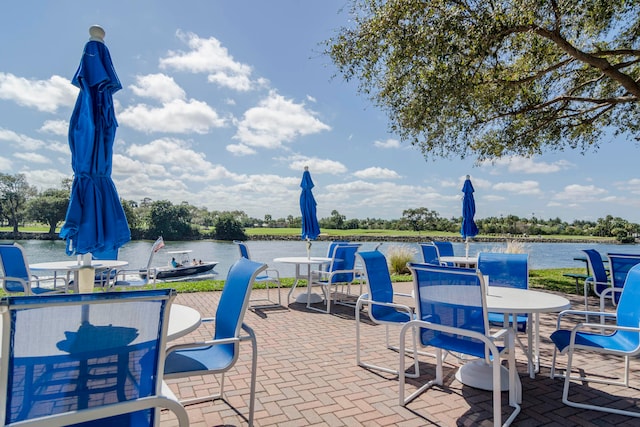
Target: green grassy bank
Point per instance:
(551, 279)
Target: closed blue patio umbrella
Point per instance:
(310, 227)
(95, 221)
(469, 228)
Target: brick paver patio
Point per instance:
(307, 376)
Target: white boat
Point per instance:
(184, 266)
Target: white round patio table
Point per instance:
(513, 301)
(182, 320)
(69, 266)
(308, 297)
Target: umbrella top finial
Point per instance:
(306, 168)
(468, 177)
(97, 33)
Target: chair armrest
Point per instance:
(611, 290)
(251, 334)
(602, 326)
(590, 282)
(400, 294)
(273, 271)
(488, 341)
(499, 333)
(583, 313)
(100, 412)
(327, 275)
(206, 343)
(23, 283)
(402, 307)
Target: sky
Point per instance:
(224, 102)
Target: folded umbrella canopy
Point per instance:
(95, 221)
(469, 228)
(310, 227)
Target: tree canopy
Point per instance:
(50, 207)
(492, 78)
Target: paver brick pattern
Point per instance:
(307, 376)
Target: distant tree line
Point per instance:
(22, 205)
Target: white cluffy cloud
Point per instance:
(24, 142)
(316, 165)
(277, 120)
(209, 56)
(581, 193)
(376, 173)
(177, 116)
(158, 86)
(523, 187)
(56, 127)
(43, 95)
(389, 143)
(527, 165)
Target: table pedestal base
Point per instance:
(309, 298)
(479, 374)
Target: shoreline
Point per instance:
(25, 235)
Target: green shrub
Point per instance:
(398, 256)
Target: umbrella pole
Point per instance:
(466, 248)
(86, 274)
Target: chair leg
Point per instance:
(552, 373)
(401, 369)
(359, 361)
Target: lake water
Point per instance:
(541, 255)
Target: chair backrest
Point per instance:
(234, 299)
(331, 248)
(452, 297)
(597, 269)
(343, 259)
(376, 271)
(506, 270)
(243, 248)
(444, 248)
(13, 261)
(104, 276)
(628, 310)
(333, 245)
(429, 253)
(619, 265)
(71, 354)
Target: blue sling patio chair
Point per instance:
(381, 307)
(85, 360)
(218, 355)
(17, 278)
(451, 315)
(444, 249)
(429, 253)
(620, 336)
(619, 266)
(598, 281)
(511, 271)
(342, 271)
(270, 276)
(105, 277)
